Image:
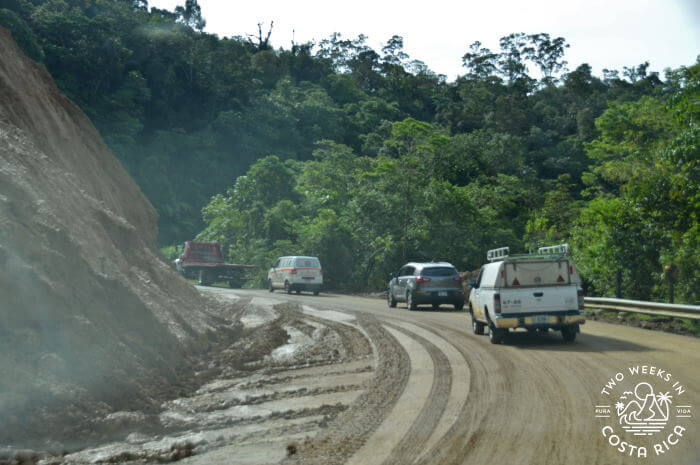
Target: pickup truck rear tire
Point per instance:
(496, 335)
(569, 333)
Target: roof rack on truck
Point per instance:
(494, 255)
(543, 253)
(562, 249)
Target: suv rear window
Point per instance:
(307, 263)
(439, 271)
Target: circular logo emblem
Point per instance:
(643, 411)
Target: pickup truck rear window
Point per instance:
(540, 273)
(439, 271)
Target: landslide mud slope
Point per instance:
(92, 319)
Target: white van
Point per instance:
(539, 291)
(296, 273)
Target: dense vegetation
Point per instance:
(367, 158)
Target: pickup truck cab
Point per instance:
(539, 291)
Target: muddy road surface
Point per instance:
(346, 380)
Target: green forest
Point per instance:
(367, 159)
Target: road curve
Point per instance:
(530, 401)
(461, 400)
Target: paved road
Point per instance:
(529, 401)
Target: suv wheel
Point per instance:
(496, 335)
(391, 300)
(410, 303)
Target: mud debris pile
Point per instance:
(93, 320)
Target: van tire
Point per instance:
(287, 287)
(477, 326)
(269, 286)
(410, 303)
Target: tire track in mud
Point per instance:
(404, 415)
(459, 385)
(347, 433)
(414, 441)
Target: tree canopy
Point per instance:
(367, 158)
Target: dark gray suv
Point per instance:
(432, 283)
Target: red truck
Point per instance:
(205, 262)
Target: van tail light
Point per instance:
(581, 295)
(497, 303)
(294, 271)
(422, 279)
(457, 278)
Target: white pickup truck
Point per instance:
(539, 291)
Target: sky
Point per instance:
(603, 33)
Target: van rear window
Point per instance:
(439, 271)
(540, 273)
(307, 263)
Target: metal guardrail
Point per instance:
(691, 312)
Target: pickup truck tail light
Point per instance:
(581, 295)
(497, 303)
(294, 271)
(422, 279)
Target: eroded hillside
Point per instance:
(92, 318)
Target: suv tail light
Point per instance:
(422, 279)
(497, 303)
(294, 271)
(581, 295)
(457, 278)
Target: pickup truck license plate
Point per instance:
(540, 319)
(442, 294)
